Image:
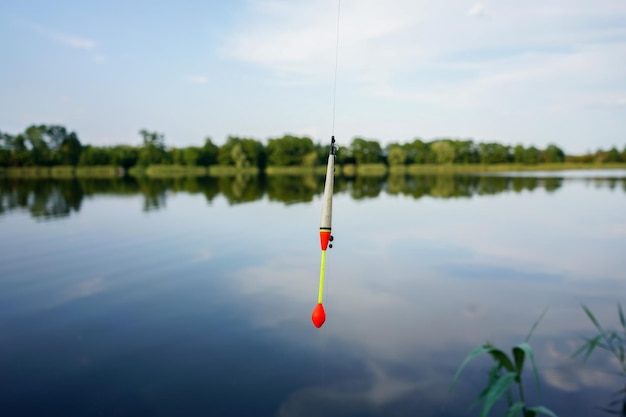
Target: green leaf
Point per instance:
(621, 316)
(502, 358)
(535, 324)
(499, 387)
(526, 349)
(590, 345)
(592, 318)
(515, 409)
(493, 376)
(542, 410)
(479, 350)
(519, 356)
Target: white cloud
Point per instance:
(72, 41)
(568, 374)
(478, 10)
(376, 390)
(84, 288)
(197, 79)
(301, 38)
(429, 52)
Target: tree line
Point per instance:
(43, 145)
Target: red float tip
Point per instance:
(324, 238)
(318, 316)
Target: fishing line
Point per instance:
(336, 65)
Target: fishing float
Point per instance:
(319, 315)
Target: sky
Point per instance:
(533, 72)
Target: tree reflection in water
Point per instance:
(54, 198)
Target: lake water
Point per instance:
(193, 297)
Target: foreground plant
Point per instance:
(504, 376)
(611, 341)
(614, 342)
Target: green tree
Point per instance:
(55, 135)
(124, 156)
(239, 157)
(519, 154)
(366, 151)
(191, 156)
(553, 154)
(177, 156)
(396, 154)
(532, 156)
(289, 150)
(94, 155)
(252, 150)
(69, 150)
(613, 155)
(153, 149)
(494, 153)
(417, 152)
(20, 154)
(465, 152)
(6, 143)
(444, 151)
(208, 153)
(39, 150)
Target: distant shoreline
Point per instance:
(347, 170)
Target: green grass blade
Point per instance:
(589, 346)
(535, 324)
(493, 376)
(519, 355)
(502, 358)
(514, 410)
(528, 351)
(621, 316)
(592, 318)
(499, 387)
(581, 348)
(479, 350)
(542, 410)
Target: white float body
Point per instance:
(327, 207)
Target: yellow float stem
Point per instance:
(322, 265)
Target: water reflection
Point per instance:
(52, 198)
(115, 312)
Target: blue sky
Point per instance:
(531, 72)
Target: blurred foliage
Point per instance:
(294, 189)
(613, 342)
(291, 150)
(242, 188)
(48, 197)
(242, 152)
(609, 340)
(46, 146)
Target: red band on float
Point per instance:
(324, 239)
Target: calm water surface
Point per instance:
(192, 297)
